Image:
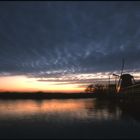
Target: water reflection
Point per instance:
(73, 118)
(68, 109)
(120, 109)
(65, 109)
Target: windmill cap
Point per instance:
(126, 76)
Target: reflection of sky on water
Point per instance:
(56, 110)
(70, 118)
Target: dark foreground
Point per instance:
(42, 95)
(71, 118)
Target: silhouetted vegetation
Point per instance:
(90, 89)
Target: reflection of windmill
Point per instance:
(125, 80)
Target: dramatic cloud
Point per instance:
(55, 39)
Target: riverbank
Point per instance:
(42, 95)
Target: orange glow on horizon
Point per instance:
(64, 84)
(24, 84)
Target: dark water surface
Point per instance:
(68, 118)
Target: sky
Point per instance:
(65, 46)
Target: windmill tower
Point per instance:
(125, 80)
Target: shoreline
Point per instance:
(40, 95)
(43, 95)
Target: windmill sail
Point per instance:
(122, 66)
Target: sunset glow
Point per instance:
(67, 83)
(22, 83)
(67, 46)
(69, 69)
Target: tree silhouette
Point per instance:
(90, 89)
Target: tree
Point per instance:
(90, 89)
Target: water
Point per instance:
(69, 118)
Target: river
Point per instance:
(67, 118)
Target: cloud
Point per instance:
(37, 38)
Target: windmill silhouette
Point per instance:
(125, 80)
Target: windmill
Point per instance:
(125, 80)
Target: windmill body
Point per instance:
(125, 81)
